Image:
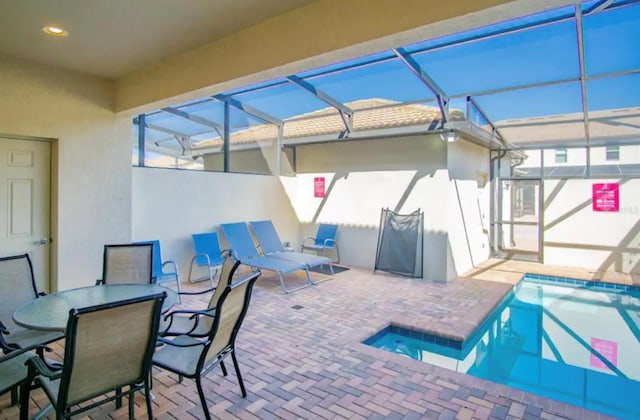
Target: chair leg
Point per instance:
(237, 367)
(178, 287)
(14, 396)
(284, 287)
(119, 397)
(131, 397)
(224, 368)
(202, 399)
(24, 400)
(147, 398)
(213, 274)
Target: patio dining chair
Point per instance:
(188, 321)
(18, 286)
(13, 370)
(194, 356)
(108, 348)
(127, 263)
(207, 254)
(158, 273)
(324, 240)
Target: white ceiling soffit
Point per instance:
(113, 37)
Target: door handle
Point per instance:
(42, 241)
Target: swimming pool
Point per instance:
(554, 337)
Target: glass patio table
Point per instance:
(51, 312)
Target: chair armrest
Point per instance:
(201, 255)
(193, 316)
(4, 346)
(37, 366)
(228, 251)
(171, 262)
(22, 350)
(200, 292)
(193, 312)
(311, 238)
(194, 343)
(328, 243)
(205, 312)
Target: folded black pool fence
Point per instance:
(400, 243)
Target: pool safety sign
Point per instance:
(318, 187)
(606, 197)
(608, 350)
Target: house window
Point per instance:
(561, 155)
(613, 152)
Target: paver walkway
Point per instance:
(301, 356)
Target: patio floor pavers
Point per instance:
(301, 355)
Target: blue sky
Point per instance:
(544, 54)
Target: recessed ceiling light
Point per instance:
(54, 30)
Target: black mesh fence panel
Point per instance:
(400, 243)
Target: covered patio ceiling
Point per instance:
(567, 77)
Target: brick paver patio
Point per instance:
(301, 356)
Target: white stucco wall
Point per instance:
(468, 206)
(446, 181)
(93, 160)
(629, 154)
(170, 205)
(575, 235)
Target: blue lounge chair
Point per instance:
(272, 246)
(207, 254)
(324, 240)
(240, 240)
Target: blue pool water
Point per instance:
(565, 341)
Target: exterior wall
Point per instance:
(92, 157)
(575, 235)
(362, 177)
(170, 205)
(629, 154)
(246, 161)
(467, 207)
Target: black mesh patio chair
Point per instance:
(18, 286)
(13, 370)
(194, 356)
(127, 263)
(108, 348)
(187, 321)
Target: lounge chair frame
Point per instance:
(271, 245)
(240, 240)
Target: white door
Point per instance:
(25, 173)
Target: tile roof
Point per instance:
(370, 114)
(567, 129)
